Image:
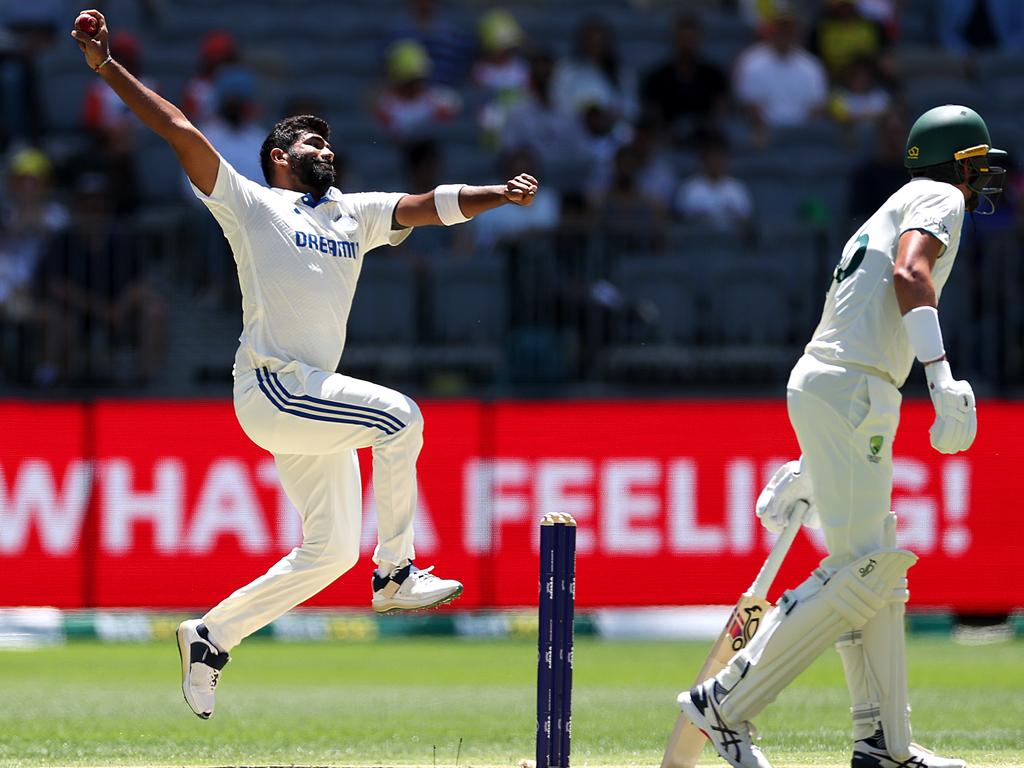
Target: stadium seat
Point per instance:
(382, 324)
(753, 319)
(924, 93)
(800, 139)
(1008, 93)
(724, 38)
(955, 306)
(660, 322)
(66, 79)
(159, 173)
(992, 65)
(670, 287)
(917, 26)
(750, 302)
(775, 200)
(703, 246)
(384, 310)
(377, 162)
(914, 62)
(808, 257)
(469, 301)
(468, 315)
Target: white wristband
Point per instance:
(924, 332)
(446, 201)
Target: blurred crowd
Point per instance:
(635, 152)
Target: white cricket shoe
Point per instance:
(734, 741)
(410, 589)
(872, 753)
(201, 663)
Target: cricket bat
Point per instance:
(686, 741)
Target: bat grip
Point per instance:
(770, 569)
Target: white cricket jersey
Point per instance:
(298, 264)
(861, 324)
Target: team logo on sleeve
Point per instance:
(875, 446)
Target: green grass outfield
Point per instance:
(391, 702)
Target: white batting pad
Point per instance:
(807, 620)
(874, 660)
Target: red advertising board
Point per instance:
(44, 495)
(167, 504)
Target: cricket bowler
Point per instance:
(844, 402)
(299, 245)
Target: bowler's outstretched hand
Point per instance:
(522, 189)
(96, 46)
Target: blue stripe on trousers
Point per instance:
(284, 408)
(382, 414)
(337, 409)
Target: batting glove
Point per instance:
(956, 417)
(788, 485)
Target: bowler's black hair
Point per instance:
(285, 134)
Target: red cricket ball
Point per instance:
(87, 24)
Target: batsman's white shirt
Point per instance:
(298, 263)
(862, 324)
(843, 394)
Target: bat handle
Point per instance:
(773, 562)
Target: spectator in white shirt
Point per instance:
(595, 67)
(712, 196)
(535, 120)
(234, 126)
(778, 83)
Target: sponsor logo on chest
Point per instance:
(342, 249)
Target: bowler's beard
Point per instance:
(313, 172)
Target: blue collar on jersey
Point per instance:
(332, 195)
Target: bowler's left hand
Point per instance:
(522, 189)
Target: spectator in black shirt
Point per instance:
(687, 86)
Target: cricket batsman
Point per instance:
(299, 245)
(844, 402)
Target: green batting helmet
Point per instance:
(941, 134)
(957, 135)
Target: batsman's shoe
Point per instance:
(410, 589)
(734, 741)
(872, 753)
(201, 663)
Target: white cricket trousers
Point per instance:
(845, 420)
(312, 422)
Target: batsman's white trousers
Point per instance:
(845, 420)
(312, 422)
